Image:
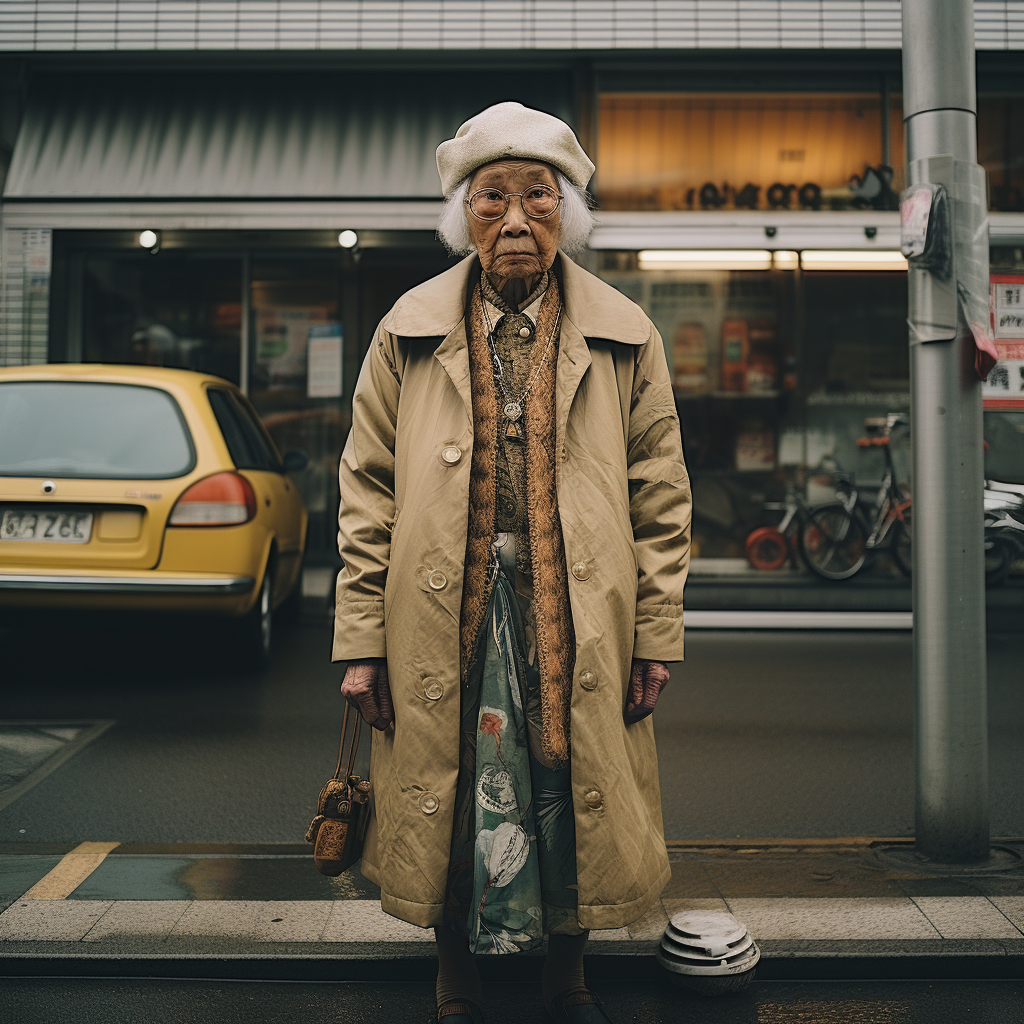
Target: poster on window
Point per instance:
(282, 337)
(325, 361)
(1004, 387)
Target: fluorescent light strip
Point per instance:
(763, 259)
(704, 259)
(853, 259)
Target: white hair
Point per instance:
(576, 219)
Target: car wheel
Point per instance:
(256, 628)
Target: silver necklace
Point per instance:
(513, 407)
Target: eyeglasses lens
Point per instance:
(540, 201)
(489, 204)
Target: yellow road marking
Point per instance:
(75, 867)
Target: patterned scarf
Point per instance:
(556, 640)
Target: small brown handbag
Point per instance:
(342, 811)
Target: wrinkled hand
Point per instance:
(367, 689)
(646, 680)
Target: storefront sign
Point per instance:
(1004, 388)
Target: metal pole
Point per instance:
(952, 813)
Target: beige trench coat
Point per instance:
(624, 501)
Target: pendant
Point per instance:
(513, 410)
(514, 432)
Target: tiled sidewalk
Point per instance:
(833, 901)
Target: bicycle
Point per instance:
(840, 538)
(768, 547)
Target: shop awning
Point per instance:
(250, 135)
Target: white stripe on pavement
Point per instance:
(706, 619)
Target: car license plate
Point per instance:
(47, 525)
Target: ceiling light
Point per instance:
(704, 259)
(148, 239)
(785, 259)
(348, 239)
(853, 259)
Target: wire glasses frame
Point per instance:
(539, 202)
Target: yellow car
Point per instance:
(137, 487)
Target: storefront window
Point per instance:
(170, 309)
(785, 151)
(297, 381)
(1001, 150)
(693, 151)
(775, 373)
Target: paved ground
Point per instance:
(156, 747)
(855, 908)
(760, 734)
(179, 1002)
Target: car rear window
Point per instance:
(92, 430)
(247, 442)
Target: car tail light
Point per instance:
(224, 499)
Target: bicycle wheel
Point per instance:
(902, 552)
(833, 542)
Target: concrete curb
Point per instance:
(381, 966)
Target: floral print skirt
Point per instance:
(512, 871)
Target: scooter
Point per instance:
(1004, 530)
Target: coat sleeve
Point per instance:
(659, 506)
(366, 514)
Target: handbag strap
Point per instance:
(353, 746)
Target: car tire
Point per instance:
(255, 629)
(290, 609)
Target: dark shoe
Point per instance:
(580, 1006)
(458, 1011)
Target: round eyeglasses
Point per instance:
(539, 201)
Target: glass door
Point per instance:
(296, 374)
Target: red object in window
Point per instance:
(224, 499)
(766, 549)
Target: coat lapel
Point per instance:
(453, 355)
(573, 362)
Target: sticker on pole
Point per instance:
(925, 228)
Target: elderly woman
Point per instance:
(515, 530)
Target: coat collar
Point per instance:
(436, 307)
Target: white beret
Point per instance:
(512, 131)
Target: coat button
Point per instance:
(593, 799)
(437, 580)
(525, 332)
(581, 570)
(434, 690)
(428, 803)
(451, 454)
(588, 680)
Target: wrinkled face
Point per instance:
(515, 245)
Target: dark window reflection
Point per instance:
(167, 309)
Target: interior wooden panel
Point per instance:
(653, 148)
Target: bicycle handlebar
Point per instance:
(886, 424)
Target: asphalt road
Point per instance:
(760, 734)
(199, 1002)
